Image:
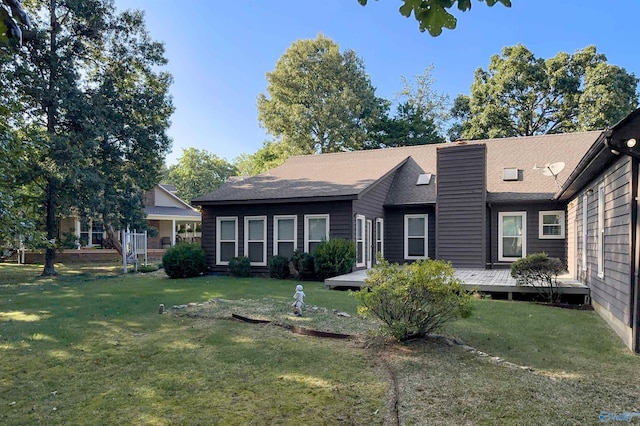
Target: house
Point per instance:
(603, 248)
(478, 204)
(172, 218)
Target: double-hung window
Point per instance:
(285, 235)
(380, 237)
(226, 239)
(551, 225)
(600, 236)
(360, 257)
(415, 236)
(585, 234)
(512, 236)
(316, 230)
(255, 239)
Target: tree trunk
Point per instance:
(113, 238)
(50, 223)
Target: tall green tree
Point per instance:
(433, 15)
(319, 99)
(419, 118)
(199, 172)
(522, 95)
(12, 14)
(94, 107)
(272, 154)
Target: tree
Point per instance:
(521, 95)
(432, 15)
(94, 109)
(419, 118)
(10, 12)
(199, 172)
(271, 155)
(320, 100)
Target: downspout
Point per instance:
(634, 251)
(489, 239)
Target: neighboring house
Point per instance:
(174, 219)
(478, 204)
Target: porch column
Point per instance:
(173, 232)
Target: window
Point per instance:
(91, 233)
(380, 237)
(360, 260)
(285, 235)
(316, 230)
(255, 239)
(512, 235)
(585, 218)
(600, 236)
(226, 239)
(551, 225)
(415, 236)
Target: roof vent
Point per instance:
(510, 173)
(424, 179)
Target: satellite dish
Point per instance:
(551, 169)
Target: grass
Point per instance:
(88, 347)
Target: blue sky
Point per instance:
(219, 51)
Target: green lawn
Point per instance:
(89, 347)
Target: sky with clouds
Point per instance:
(219, 50)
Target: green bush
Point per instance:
(303, 265)
(240, 266)
(539, 271)
(279, 267)
(334, 257)
(184, 260)
(415, 299)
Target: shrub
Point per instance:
(539, 271)
(415, 299)
(279, 267)
(303, 266)
(184, 260)
(240, 266)
(334, 257)
(149, 268)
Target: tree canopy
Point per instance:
(522, 95)
(272, 154)
(198, 172)
(319, 99)
(12, 14)
(88, 102)
(433, 15)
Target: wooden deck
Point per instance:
(484, 280)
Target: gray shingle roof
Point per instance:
(348, 174)
(172, 211)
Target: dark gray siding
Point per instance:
(613, 291)
(394, 231)
(461, 205)
(341, 224)
(370, 205)
(553, 247)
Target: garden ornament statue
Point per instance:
(298, 301)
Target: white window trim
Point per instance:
(90, 232)
(585, 229)
(361, 223)
(380, 237)
(502, 258)
(276, 237)
(541, 234)
(426, 235)
(218, 240)
(600, 235)
(307, 217)
(263, 240)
